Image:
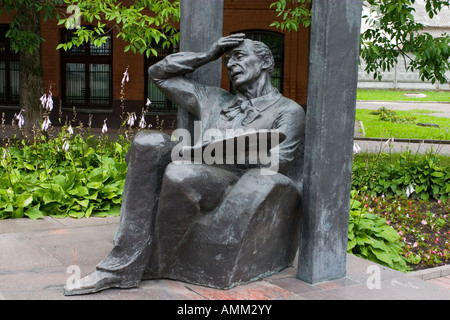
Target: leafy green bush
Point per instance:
(417, 176)
(371, 238)
(64, 176)
(389, 115)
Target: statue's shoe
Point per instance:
(98, 281)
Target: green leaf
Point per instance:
(83, 203)
(438, 174)
(60, 180)
(383, 256)
(424, 196)
(8, 208)
(29, 167)
(114, 211)
(24, 200)
(34, 213)
(387, 233)
(94, 185)
(93, 196)
(350, 245)
(17, 213)
(79, 191)
(76, 214)
(89, 211)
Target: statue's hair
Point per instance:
(263, 52)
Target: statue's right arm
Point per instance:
(169, 73)
(181, 63)
(169, 76)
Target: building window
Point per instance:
(9, 71)
(275, 41)
(87, 75)
(159, 102)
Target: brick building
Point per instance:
(89, 78)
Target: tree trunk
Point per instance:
(31, 70)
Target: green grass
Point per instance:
(374, 128)
(399, 95)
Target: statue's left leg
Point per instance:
(188, 191)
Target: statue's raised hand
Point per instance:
(224, 43)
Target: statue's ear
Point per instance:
(266, 63)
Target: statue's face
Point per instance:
(243, 65)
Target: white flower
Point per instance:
(47, 101)
(142, 123)
(46, 123)
(148, 103)
(390, 141)
(356, 148)
(66, 145)
(43, 100)
(131, 119)
(70, 130)
(5, 153)
(49, 104)
(105, 127)
(409, 190)
(126, 76)
(20, 119)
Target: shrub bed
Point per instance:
(410, 194)
(407, 174)
(422, 231)
(68, 175)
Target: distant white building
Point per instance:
(438, 25)
(398, 78)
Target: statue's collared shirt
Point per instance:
(245, 111)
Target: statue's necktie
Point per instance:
(241, 107)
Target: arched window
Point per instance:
(275, 41)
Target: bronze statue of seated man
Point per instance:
(197, 222)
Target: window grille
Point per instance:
(159, 103)
(9, 70)
(87, 75)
